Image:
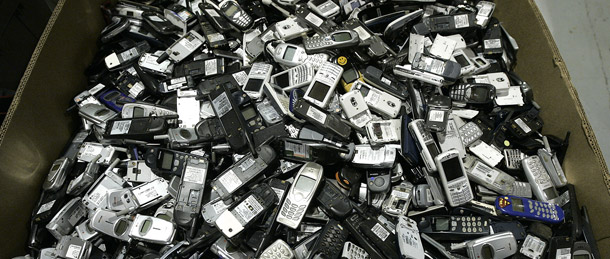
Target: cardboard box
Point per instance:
(37, 126)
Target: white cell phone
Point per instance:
(384, 104)
(300, 195)
(322, 87)
(294, 77)
(258, 76)
(454, 178)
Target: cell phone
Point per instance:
(152, 230)
(161, 160)
(279, 249)
(353, 223)
(448, 69)
(384, 157)
(233, 13)
(85, 179)
(450, 23)
(142, 128)
(159, 25)
(439, 107)
(334, 40)
(173, 84)
(73, 247)
(409, 240)
(114, 99)
(581, 250)
(470, 133)
(428, 149)
(380, 236)
(231, 119)
(96, 197)
(407, 71)
(319, 24)
(398, 202)
(552, 165)
(377, 78)
(140, 197)
(201, 68)
(190, 194)
(533, 247)
(290, 28)
(499, 245)
(378, 101)
(334, 202)
(529, 209)
(325, 8)
(119, 59)
(141, 109)
(279, 100)
(454, 178)
(323, 85)
(352, 251)
(287, 54)
(183, 47)
(259, 74)
(213, 37)
(490, 177)
(539, 179)
(294, 77)
(269, 114)
(355, 108)
(253, 120)
(450, 138)
(384, 131)
(243, 171)
(473, 93)
(96, 113)
(330, 242)
(57, 174)
(300, 195)
(445, 227)
(468, 66)
(111, 224)
(246, 211)
(66, 218)
(332, 124)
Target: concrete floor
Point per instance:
(582, 32)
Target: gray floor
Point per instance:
(582, 32)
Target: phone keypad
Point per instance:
(543, 210)
(460, 192)
(352, 251)
(292, 211)
(301, 74)
(469, 224)
(317, 42)
(536, 168)
(470, 133)
(458, 93)
(278, 250)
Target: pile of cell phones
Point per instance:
(308, 129)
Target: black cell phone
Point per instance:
(162, 160)
(445, 227)
(331, 240)
(332, 201)
(143, 128)
(331, 124)
(302, 150)
(388, 83)
(353, 224)
(231, 119)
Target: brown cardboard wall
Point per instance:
(37, 127)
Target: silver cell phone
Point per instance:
(422, 196)
(496, 246)
(407, 71)
(425, 143)
(461, 58)
(139, 172)
(384, 131)
(137, 110)
(484, 11)
(294, 77)
(190, 194)
(268, 112)
(522, 189)
(166, 210)
(258, 76)
(152, 230)
(490, 177)
(322, 87)
(90, 150)
(213, 209)
(97, 195)
(289, 55)
(73, 247)
(448, 69)
(454, 178)
(380, 102)
(399, 200)
(469, 133)
(85, 179)
(334, 40)
(278, 250)
(539, 179)
(533, 247)
(552, 165)
(290, 28)
(243, 171)
(300, 195)
(223, 248)
(184, 47)
(67, 218)
(325, 8)
(513, 158)
(96, 113)
(355, 108)
(352, 251)
(140, 197)
(450, 138)
(57, 174)
(109, 223)
(148, 62)
(409, 240)
(85, 232)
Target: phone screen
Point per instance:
(138, 112)
(518, 205)
(289, 54)
(254, 85)
(441, 224)
(452, 169)
(166, 159)
(305, 184)
(318, 91)
(283, 80)
(248, 113)
(342, 36)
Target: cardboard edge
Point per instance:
(28, 71)
(565, 75)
